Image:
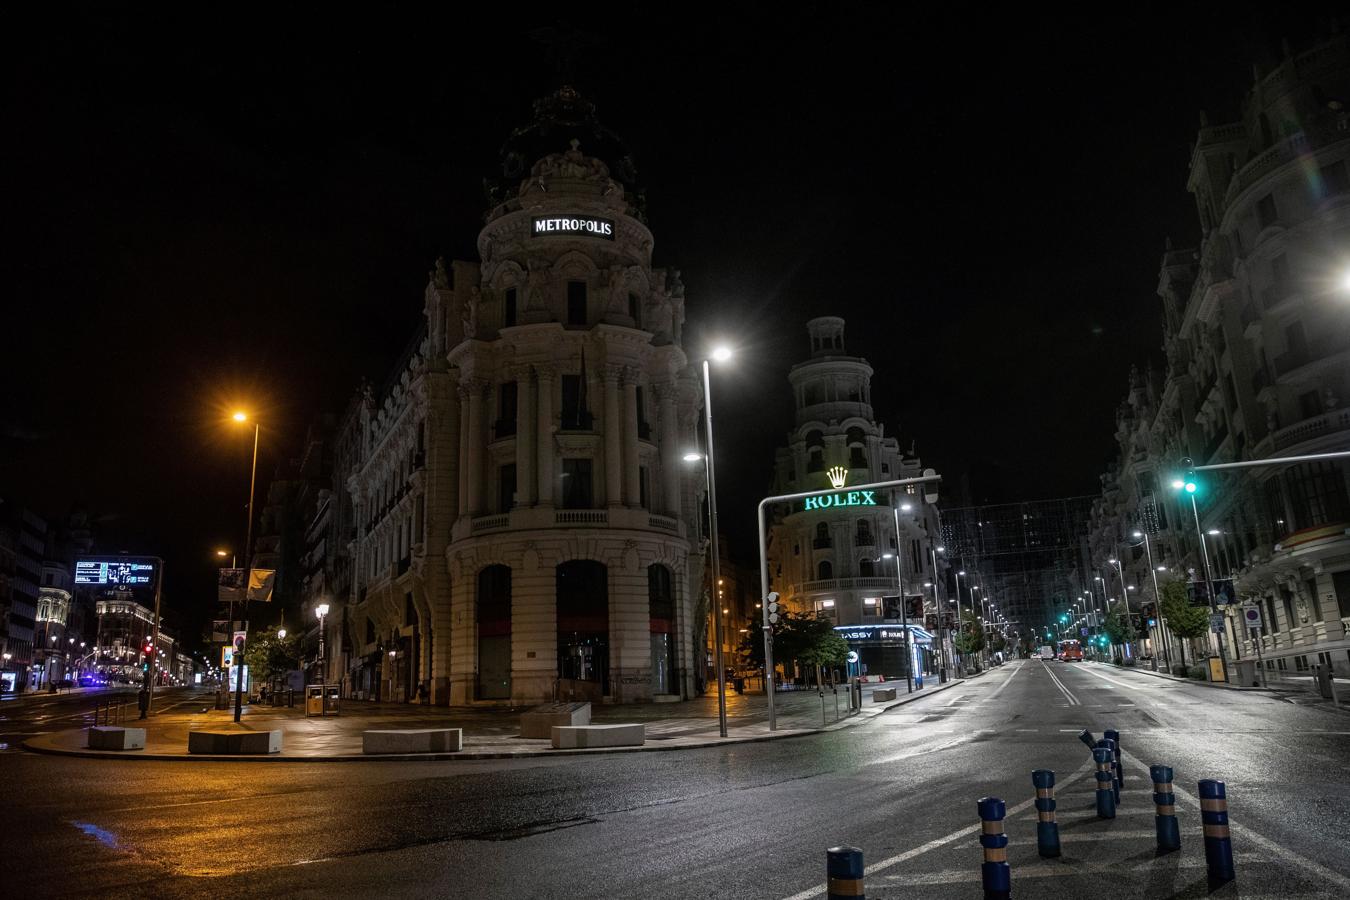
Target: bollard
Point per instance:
(1106, 799)
(1047, 830)
(994, 872)
(1115, 782)
(843, 873)
(1169, 833)
(1218, 844)
(1086, 737)
(1120, 770)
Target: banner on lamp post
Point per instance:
(260, 583)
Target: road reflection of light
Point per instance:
(107, 838)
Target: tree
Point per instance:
(971, 637)
(1185, 621)
(1120, 627)
(825, 650)
(269, 656)
(806, 639)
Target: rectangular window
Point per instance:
(574, 415)
(576, 303)
(635, 310)
(1272, 623)
(644, 487)
(1317, 495)
(576, 487)
(506, 487)
(506, 409)
(1310, 404)
(509, 308)
(1340, 583)
(1335, 179)
(644, 430)
(1265, 211)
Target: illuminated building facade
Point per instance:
(523, 519)
(828, 555)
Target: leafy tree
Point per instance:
(825, 650)
(1120, 627)
(970, 640)
(269, 657)
(1185, 621)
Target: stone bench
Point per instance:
(567, 737)
(538, 722)
(881, 695)
(112, 737)
(413, 740)
(234, 742)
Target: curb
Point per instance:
(1150, 672)
(35, 745)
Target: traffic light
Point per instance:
(1187, 481)
(771, 607)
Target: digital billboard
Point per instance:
(123, 572)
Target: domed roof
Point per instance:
(559, 119)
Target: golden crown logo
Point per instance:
(838, 475)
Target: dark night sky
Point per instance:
(202, 212)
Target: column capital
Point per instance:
(612, 374)
(632, 375)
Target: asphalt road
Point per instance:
(751, 820)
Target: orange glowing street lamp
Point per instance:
(241, 416)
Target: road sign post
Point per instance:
(1251, 617)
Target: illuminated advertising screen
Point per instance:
(118, 572)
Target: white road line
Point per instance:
(1133, 687)
(1073, 701)
(1005, 683)
(1247, 834)
(939, 842)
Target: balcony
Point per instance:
(844, 584)
(583, 421)
(1327, 423)
(581, 517)
(490, 523)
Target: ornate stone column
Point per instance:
(543, 436)
(463, 390)
(524, 438)
(632, 474)
(613, 434)
(670, 450)
(475, 433)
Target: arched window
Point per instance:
(824, 571)
(582, 589)
(492, 607)
(857, 451)
(661, 610)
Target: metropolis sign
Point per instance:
(590, 226)
(843, 498)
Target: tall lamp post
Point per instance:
(942, 615)
(1157, 599)
(1124, 593)
(1188, 484)
(248, 563)
(321, 611)
(720, 354)
(960, 627)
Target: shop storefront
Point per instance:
(881, 650)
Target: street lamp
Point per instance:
(321, 611)
(241, 417)
(721, 353)
(1188, 484)
(904, 613)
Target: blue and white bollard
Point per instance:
(1106, 798)
(994, 871)
(1113, 735)
(1115, 781)
(1169, 832)
(1218, 843)
(1047, 829)
(1086, 737)
(843, 873)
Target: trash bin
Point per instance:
(1322, 678)
(314, 700)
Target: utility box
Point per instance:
(1322, 678)
(1247, 673)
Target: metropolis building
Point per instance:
(519, 521)
(1256, 327)
(838, 560)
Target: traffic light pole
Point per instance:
(764, 562)
(904, 608)
(154, 641)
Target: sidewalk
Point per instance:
(1213, 684)
(491, 733)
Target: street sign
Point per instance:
(1216, 623)
(1251, 616)
(1083, 632)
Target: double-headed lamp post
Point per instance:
(320, 612)
(719, 354)
(1139, 534)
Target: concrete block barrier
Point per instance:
(106, 737)
(882, 695)
(413, 740)
(234, 742)
(567, 737)
(539, 721)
